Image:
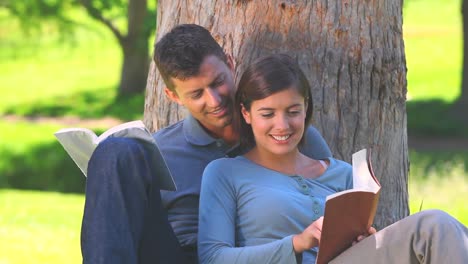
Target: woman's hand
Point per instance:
(309, 238)
(370, 231)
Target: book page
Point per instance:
(362, 177)
(133, 124)
(79, 143)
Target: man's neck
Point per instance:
(227, 133)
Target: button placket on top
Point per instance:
(307, 190)
(303, 187)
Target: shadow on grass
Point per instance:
(441, 164)
(89, 104)
(434, 118)
(43, 167)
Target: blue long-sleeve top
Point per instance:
(249, 214)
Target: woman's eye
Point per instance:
(267, 115)
(294, 113)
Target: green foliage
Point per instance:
(32, 13)
(131, 23)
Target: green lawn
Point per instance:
(40, 227)
(433, 45)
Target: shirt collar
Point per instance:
(194, 132)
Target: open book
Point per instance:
(349, 213)
(80, 144)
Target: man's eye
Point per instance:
(196, 95)
(218, 83)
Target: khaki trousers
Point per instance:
(430, 236)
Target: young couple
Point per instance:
(261, 207)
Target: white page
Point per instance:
(79, 143)
(362, 178)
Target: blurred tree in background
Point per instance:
(131, 22)
(461, 104)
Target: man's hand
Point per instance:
(309, 238)
(370, 231)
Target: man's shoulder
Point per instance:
(170, 132)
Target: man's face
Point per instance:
(208, 96)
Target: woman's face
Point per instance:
(277, 121)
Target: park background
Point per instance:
(51, 79)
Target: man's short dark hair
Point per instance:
(179, 53)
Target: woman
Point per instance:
(267, 205)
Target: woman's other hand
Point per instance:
(309, 238)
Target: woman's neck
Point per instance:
(293, 163)
(287, 163)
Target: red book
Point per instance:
(349, 213)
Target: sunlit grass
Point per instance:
(37, 227)
(439, 181)
(433, 46)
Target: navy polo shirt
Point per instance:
(187, 149)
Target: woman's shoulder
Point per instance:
(222, 163)
(338, 176)
(224, 166)
(339, 164)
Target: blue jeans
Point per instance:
(124, 221)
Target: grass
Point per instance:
(38, 227)
(439, 180)
(433, 46)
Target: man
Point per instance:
(126, 218)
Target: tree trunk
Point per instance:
(135, 66)
(461, 104)
(353, 54)
(135, 50)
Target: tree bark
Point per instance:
(353, 54)
(135, 50)
(135, 66)
(134, 45)
(461, 104)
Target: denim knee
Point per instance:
(115, 147)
